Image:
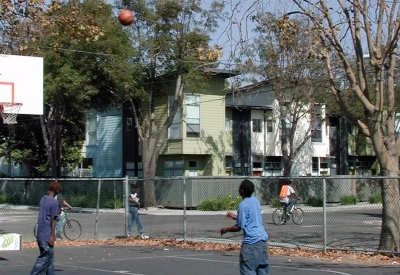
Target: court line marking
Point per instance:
(102, 270)
(136, 258)
(285, 267)
(315, 270)
(317, 225)
(205, 260)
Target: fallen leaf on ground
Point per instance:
(330, 256)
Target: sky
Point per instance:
(236, 31)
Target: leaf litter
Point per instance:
(336, 256)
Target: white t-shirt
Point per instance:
(135, 197)
(290, 191)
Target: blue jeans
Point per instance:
(134, 219)
(254, 259)
(45, 262)
(290, 205)
(59, 223)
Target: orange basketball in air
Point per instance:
(126, 17)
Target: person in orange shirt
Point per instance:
(285, 195)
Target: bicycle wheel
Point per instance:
(35, 230)
(278, 217)
(298, 216)
(72, 230)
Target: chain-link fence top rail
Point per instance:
(351, 219)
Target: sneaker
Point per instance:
(58, 236)
(144, 236)
(129, 235)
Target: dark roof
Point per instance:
(220, 72)
(254, 96)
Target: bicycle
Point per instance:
(72, 229)
(281, 216)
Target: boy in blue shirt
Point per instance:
(46, 233)
(254, 250)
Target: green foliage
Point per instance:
(314, 201)
(375, 198)
(114, 204)
(11, 198)
(90, 201)
(275, 202)
(86, 201)
(3, 198)
(220, 203)
(348, 200)
(87, 64)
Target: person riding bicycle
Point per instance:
(285, 195)
(61, 203)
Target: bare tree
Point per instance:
(281, 55)
(358, 32)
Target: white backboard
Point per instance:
(21, 81)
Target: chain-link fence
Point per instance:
(339, 212)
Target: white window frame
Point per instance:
(192, 116)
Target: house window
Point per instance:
(175, 128)
(317, 129)
(128, 124)
(257, 125)
(130, 169)
(269, 125)
(192, 164)
(315, 166)
(272, 166)
(324, 165)
(227, 124)
(192, 116)
(92, 128)
(173, 168)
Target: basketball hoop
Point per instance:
(9, 112)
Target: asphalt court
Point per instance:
(147, 260)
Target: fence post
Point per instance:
(184, 209)
(97, 208)
(126, 204)
(324, 210)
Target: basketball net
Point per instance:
(9, 112)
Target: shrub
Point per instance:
(3, 198)
(275, 203)
(348, 200)
(220, 203)
(314, 201)
(375, 198)
(86, 201)
(114, 204)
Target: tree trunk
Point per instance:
(48, 138)
(149, 172)
(390, 236)
(57, 147)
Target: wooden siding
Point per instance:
(212, 142)
(107, 158)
